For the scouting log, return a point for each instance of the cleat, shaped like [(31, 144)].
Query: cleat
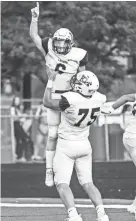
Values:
[(76, 218), (103, 218), (132, 209), (49, 181)]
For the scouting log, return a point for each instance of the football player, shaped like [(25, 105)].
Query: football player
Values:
[(65, 60), (129, 136), (79, 109)]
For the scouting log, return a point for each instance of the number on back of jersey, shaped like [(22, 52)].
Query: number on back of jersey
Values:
[(84, 114)]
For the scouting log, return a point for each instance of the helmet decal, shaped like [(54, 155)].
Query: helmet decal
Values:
[(84, 79), (85, 82)]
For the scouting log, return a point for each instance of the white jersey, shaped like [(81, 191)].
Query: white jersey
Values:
[(131, 127), (65, 65), (80, 113)]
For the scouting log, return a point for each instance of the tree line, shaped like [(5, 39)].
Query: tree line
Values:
[(105, 29)]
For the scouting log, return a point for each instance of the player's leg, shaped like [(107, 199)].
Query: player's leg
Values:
[(83, 167), (63, 168), (53, 120), (130, 145)]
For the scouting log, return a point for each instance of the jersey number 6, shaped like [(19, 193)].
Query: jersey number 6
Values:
[(60, 67), (84, 112)]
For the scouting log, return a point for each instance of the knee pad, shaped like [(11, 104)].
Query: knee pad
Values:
[(53, 132)]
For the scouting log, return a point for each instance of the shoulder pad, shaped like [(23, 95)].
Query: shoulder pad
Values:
[(100, 97), (78, 53), (71, 96)]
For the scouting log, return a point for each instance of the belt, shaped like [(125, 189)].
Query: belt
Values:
[(60, 92)]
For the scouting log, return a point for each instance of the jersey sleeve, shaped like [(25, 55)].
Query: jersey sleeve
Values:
[(84, 61), (63, 103), (99, 97), (45, 44)]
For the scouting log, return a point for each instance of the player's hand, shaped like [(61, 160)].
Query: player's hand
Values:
[(35, 11), (107, 110)]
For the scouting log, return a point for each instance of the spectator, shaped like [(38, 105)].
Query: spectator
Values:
[(41, 135), (26, 123), (16, 113)]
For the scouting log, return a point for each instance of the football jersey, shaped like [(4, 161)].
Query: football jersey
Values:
[(131, 127), (65, 65), (78, 113)]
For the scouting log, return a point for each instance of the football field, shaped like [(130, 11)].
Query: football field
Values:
[(37, 209), (26, 198)]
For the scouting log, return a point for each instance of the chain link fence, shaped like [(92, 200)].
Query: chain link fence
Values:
[(105, 137)]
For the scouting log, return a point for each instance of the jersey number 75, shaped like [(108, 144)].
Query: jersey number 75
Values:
[(84, 112)]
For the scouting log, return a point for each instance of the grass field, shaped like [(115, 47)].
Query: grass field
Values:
[(52, 210), (114, 180), (26, 198)]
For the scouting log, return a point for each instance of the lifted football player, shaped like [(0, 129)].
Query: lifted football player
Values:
[(79, 109), (65, 60)]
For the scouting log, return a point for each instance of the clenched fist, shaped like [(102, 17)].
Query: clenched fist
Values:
[(35, 11)]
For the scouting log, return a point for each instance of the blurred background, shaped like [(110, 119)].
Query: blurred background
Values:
[(107, 30)]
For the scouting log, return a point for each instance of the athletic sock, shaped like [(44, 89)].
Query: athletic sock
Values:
[(49, 159), (72, 212)]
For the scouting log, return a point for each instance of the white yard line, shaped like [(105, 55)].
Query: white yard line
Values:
[(33, 205)]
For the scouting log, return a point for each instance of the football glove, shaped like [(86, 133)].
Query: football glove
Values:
[(107, 110)]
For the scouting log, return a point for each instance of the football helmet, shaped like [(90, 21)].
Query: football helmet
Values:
[(62, 41), (85, 83)]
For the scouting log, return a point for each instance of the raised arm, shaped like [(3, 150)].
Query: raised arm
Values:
[(34, 29), (48, 101), (119, 102)]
